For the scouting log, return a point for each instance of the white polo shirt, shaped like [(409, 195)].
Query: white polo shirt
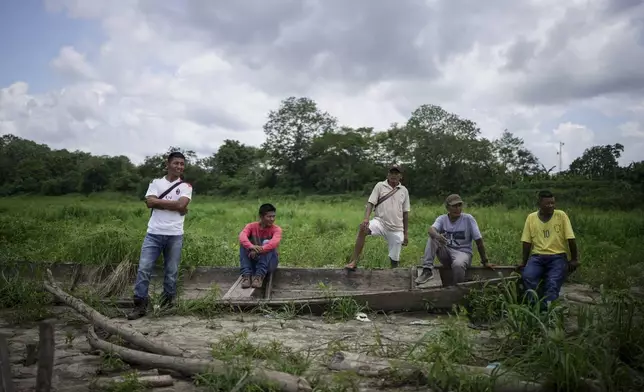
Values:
[(164, 222)]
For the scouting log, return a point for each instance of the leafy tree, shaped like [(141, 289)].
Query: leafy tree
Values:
[(516, 161), (95, 176), (598, 162), (341, 161), (232, 157), (307, 152), (290, 131)]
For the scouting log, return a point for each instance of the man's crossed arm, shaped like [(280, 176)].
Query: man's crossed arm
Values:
[(180, 205)]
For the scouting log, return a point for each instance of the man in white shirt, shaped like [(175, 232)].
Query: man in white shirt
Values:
[(390, 199), (168, 198)]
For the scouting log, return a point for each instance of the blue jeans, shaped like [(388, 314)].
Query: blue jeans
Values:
[(260, 266), (153, 246), (552, 269)]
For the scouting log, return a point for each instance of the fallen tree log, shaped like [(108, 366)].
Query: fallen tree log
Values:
[(128, 334), (192, 366), (395, 369), (145, 381)]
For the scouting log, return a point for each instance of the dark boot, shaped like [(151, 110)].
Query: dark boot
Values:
[(245, 282), (167, 301), (394, 263), (258, 280), (140, 309)]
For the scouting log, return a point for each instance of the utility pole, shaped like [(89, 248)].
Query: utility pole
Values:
[(561, 144)]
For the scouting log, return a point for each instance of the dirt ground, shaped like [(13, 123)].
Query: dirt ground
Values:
[(76, 363)]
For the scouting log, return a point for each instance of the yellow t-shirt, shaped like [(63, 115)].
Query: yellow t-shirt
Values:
[(548, 238)]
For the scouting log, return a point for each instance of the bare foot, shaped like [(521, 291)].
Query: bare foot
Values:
[(351, 266)]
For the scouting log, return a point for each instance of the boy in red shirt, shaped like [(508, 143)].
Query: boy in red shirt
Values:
[(258, 248)]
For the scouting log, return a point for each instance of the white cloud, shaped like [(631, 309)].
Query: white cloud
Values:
[(575, 138), (193, 74), (70, 62), (632, 129)]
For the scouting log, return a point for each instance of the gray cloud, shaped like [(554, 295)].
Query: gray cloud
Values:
[(194, 73), (576, 62), (355, 42), (208, 115), (618, 7), (519, 54)]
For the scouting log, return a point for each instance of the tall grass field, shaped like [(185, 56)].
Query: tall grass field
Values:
[(569, 347), (317, 232)]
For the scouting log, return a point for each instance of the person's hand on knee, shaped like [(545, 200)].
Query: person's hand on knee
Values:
[(364, 226)]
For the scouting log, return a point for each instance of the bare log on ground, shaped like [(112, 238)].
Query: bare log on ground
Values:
[(145, 381), (128, 334), (6, 379), (192, 366), (368, 366), (46, 348)]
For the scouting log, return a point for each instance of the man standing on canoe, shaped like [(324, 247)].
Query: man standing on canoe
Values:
[(258, 248), (390, 199), (450, 238), (547, 237), (168, 198)]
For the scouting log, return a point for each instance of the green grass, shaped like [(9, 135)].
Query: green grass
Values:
[(317, 232), (568, 346), (562, 347)]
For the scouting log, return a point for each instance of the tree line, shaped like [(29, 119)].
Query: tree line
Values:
[(308, 152)]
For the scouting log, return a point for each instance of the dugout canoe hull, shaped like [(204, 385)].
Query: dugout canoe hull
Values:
[(385, 290), (435, 299)]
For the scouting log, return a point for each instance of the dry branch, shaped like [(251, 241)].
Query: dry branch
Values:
[(192, 366), (6, 379), (145, 381), (46, 348), (116, 281), (128, 334), (369, 366)]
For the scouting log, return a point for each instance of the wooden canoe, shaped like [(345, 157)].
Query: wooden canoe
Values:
[(378, 289)]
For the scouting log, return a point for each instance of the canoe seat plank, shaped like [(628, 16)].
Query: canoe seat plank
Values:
[(236, 291)]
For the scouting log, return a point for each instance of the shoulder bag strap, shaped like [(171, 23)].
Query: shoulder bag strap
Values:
[(385, 197), (165, 193)]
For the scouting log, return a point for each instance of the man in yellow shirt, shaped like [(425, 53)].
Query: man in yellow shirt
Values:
[(548, 239)]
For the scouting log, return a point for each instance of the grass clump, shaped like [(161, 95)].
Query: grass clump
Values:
[(100, 229), (242, 356), (567, 347), (24, 300), (451, 343), (273, 353), (129, 383), (237, 379), (340, 308), (110, 363), (342, 381)]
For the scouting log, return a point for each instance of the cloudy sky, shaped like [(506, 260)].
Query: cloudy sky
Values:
[(133, 77)]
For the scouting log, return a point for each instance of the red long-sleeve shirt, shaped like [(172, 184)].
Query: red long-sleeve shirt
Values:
[(254, 234)]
